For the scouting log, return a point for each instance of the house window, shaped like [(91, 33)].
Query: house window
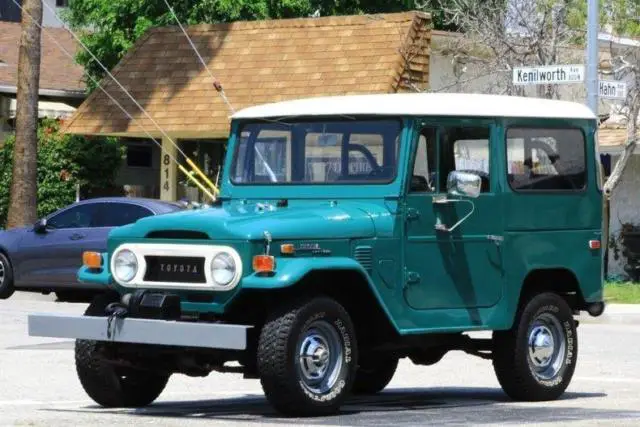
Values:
[(139, 156)]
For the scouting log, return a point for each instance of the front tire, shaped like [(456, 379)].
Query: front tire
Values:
[(307, 357), (535, 359), (6, 277), (108, 385)]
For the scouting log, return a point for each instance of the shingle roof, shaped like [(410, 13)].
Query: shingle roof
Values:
[(256, 62), (57, 71)]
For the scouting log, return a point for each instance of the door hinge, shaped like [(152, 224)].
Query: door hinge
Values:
[(411, 278), (412, 213)]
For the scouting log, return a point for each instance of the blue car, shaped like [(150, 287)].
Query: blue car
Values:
[(46, 257)]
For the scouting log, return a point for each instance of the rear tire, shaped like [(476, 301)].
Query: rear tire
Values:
[(535, 359), (111, 386), (374, 375), (307, 357), (6, 277)]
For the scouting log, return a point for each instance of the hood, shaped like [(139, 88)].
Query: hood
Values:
[(249, 221)]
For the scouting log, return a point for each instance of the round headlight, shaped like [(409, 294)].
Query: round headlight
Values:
[(125, 266), (223, 269)]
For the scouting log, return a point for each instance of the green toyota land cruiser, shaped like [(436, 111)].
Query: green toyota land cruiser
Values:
[(351, 232)]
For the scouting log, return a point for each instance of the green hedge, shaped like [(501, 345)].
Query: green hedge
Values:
[(63, 162)]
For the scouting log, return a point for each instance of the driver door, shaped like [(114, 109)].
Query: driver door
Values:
[(459, 269), (55, 255)]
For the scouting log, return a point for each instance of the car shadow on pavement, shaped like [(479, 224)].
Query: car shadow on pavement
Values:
[(392, 407)]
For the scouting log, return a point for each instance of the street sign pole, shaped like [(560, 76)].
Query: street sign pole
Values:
[(592, 56)]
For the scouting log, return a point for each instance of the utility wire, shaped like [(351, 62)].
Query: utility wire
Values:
[(67, 53), (216, 82)]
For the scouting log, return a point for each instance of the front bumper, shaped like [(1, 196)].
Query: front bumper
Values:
[(140, 331)]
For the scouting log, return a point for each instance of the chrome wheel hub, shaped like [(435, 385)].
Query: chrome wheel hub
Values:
[(547, 347), (320, 357), (2, 274), (541, 346)]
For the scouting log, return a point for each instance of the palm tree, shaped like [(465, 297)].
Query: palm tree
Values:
[(23, 199)]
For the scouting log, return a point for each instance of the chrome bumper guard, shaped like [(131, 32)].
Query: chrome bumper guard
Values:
[(140, 331)]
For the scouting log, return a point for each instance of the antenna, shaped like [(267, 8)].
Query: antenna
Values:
[(66, 52), (187, 159)]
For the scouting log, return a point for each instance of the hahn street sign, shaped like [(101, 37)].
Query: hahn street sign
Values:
[(612, 89), (548, 74)]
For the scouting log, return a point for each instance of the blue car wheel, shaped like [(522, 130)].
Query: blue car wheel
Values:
[(6, 277)]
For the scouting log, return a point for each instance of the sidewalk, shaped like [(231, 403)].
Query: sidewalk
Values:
[(615, 314)]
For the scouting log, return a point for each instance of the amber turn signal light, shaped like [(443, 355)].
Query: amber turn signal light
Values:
[(92, 259), (264, 264), (287, 249)]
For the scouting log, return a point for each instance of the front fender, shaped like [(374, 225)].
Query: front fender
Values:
[(101, 276), (290, 271)]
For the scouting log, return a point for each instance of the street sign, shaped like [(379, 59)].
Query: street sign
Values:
[(612, 89), (548, 74)]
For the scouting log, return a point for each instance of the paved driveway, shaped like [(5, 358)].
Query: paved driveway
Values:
[(39, 387)]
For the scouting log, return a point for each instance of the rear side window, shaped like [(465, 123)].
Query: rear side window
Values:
[(540, 159)]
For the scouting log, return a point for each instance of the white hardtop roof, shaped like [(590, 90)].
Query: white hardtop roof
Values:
[(421, 104)]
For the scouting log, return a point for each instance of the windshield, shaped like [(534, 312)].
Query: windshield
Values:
[(318, 152)]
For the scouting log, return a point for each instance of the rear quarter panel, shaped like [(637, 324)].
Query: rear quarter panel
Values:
[(552, 229)]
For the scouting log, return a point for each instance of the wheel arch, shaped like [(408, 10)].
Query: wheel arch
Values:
[(349, 285), (560, 280), (5, 252)]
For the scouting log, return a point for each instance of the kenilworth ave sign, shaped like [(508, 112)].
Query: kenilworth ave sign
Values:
[(548, 74)]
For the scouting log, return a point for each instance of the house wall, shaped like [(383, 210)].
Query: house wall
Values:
[(625, 204), (48, 18)]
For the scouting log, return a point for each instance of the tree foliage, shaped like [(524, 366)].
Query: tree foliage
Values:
[(63, 162)]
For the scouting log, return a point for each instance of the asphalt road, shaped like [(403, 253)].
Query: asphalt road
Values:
[(39, 387)]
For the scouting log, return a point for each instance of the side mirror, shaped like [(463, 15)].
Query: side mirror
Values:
[(40, 226), (464, 184)]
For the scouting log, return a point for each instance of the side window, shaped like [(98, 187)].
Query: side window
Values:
[(465, 149), (119, 214), (76, 217), (546, 159), (424, 174)]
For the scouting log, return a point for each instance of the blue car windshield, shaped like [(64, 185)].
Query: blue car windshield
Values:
[(317, 152)]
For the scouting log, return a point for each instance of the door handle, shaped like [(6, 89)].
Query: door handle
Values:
[(76, 236)]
